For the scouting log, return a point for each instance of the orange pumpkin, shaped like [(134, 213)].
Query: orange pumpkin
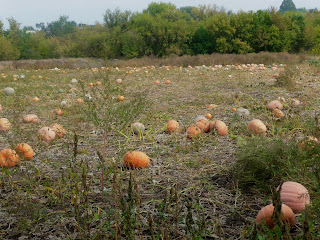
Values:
[(8, 158), (24, 150), (275, 104), (208, 115), (46, 134), (167, 82), (193, 132), (119, 80), (58, 129), (277, 113), (295, 195), (36, 99), (256, 126), (80, 101), (90, 84), (120, 98), (172, 126), (98, 83), (157, 82), (210, 106), (220, 127), (265, 214), (4, 124), (58, 111), (31, 118), (136, 159), (203, 124)]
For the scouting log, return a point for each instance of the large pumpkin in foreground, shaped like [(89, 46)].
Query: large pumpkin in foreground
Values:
[(265, 214), (8, 158), (136, 159), (295, 195)]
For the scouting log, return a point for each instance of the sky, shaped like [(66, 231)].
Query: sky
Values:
[(30, 12)]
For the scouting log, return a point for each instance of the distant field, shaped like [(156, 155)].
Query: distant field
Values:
[(77, 187)]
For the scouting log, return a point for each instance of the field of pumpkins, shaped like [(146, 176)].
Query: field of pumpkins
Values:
[(160, 152)]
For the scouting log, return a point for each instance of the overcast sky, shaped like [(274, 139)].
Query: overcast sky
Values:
[(30, 12)]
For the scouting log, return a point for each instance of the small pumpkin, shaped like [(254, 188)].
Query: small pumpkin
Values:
[(167, 82), (0, 107), (138, 128), (120, 98), (58, 129), (8, 91), (136, 159), (31, 118), (90, 84), (308, 143), (46, 134), (172, 126), (275, 104), (256, 126), (5, 125), (203, 124), (119, 80), (8, 158), (220, 127), (294, 195), (157, 82), (58, 111), (211, 106), (277, 113), (265, 214), (35, 99), (80, 101), (98, 83), (193, 132), (24, 150), (209, 115)]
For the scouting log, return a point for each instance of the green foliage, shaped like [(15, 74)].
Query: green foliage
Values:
[(287, 5), (7, 50)]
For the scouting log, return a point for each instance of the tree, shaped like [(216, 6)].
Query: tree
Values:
[(287, 5)]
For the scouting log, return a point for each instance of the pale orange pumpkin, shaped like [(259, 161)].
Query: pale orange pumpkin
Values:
[(35, 99), (210, 106), (90, 84), (193, 132), (220, 127), (5, 125), (119, 80), (0, 107), (256, 126), (275, 104), (209, 115), (24, 150), (31, 118), (172, 126), (203, 124), (46, 134), (265, 214), (157, 82), (98, 83), (58, 129), (80, 101), (136, 159), (8, 158), (167, 82), (277, 113), (58, 111), (294, 195)]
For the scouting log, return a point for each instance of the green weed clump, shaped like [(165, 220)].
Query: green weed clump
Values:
[(287, 78)]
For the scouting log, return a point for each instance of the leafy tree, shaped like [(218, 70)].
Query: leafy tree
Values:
[(7, 50), (287, 5), (116, 18), (61, 27)]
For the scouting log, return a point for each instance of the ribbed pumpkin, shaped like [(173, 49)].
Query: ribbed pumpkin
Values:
[(220, 127), (256, 126), (24, 150), (31, 118), (136, 159), (265, 214), (193, 132), (275, 104), (46, 134), (8, 158), (58, 129), (172, 126), (4, 124), (295, 195), (203, 124), (277, 113)]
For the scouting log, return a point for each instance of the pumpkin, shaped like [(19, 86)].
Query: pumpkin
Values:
[(98, 83), (275, 104), (74, 81), (24, 150), (31, 118), (256, 126), (167, 82), (4, 124), (120, 98), (8, 91), (138, 128), (208, 115), (35, 99), (157, 82), (277, 113), (233, 109), (90, 84), (203, 124), (193, 132), (0, 107), (265, 214), (80, 101), (210, 106), (58, 111), (119, 80), (220, 127), (8, 158), (294, 195), (172, 126), (46, 134), (136, 159), (308, 143), (58, 129)]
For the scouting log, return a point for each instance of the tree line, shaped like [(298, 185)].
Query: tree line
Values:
[(161, 30)]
